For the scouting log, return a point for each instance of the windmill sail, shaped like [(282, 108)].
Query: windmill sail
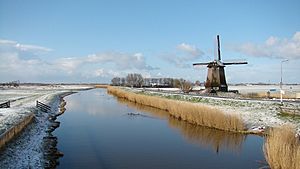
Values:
[(235, 63), (195, 64), (219, 52)]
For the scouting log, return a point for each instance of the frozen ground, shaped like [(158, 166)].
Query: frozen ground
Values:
[(255, 113), (244, 89), (27, 151), (265, 88)]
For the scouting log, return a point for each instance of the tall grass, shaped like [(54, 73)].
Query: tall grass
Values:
[(101, 86), (257, 95), (193, 113), (282, 148)]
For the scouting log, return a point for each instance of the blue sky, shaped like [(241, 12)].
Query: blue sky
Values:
[(93, 41)]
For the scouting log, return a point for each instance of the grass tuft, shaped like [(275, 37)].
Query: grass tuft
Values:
[(282, 148)]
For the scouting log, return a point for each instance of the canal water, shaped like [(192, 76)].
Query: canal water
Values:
[(99, 130)]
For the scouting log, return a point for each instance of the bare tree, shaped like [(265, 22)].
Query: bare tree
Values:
[(134, 80), (186, 86), (130, 80), (139, 80), (123, 81), (176, 83), (116, 81), (197, 83)]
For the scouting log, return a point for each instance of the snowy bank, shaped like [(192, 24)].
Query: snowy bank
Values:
[(256, 114), (27, 151)]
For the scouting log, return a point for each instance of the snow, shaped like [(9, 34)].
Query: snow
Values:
[(27, 150), (255, 113), (265, 88)]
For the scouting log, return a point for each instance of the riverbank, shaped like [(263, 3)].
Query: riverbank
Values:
[(197, 113), (255, 114), (27, 149), (280, 140)]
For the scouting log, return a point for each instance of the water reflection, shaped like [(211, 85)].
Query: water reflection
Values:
[(92, 106), (216, 140), (206, 137), (141, 108)]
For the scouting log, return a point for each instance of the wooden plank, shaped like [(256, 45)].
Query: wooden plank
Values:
[(288, 110), (5, 105), (43, 106)]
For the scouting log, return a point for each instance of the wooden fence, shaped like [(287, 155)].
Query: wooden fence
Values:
[(291, 111), (42, 106), (5, 105)]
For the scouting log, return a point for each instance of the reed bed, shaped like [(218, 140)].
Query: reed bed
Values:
[(101, 86), (282, 148), (191, 112), (258, 95)]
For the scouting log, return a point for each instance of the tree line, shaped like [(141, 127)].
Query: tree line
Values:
[(137, 80)]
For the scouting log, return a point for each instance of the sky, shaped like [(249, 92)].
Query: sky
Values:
[(64, 41)]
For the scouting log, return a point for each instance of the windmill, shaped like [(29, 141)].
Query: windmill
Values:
[(215, 74)]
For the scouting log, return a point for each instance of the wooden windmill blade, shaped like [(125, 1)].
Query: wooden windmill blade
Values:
[(235, 63), (218, 47), (200, 64)]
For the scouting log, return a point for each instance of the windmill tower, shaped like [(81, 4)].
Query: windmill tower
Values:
[(215, 74)]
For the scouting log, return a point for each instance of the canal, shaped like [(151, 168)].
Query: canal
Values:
[(101, 131)]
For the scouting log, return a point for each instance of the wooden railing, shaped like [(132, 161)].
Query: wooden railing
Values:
[(43, 106), (289, 110), (5, 105)]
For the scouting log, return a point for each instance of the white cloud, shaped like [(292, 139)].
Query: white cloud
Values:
[(105, 73), (20, 61), (184, 55), (121, 61), (23, 47), (273, 47), (190, 49), (12, 67), (7, 42)]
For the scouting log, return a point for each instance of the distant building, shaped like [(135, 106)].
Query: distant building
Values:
[(158, 82)]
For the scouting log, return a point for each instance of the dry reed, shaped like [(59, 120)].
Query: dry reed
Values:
[(101, 86), (193, 113), (282, 148), (257, 95)]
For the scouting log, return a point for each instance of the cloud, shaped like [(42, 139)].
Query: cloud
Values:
[(190, 49), (23, 62), (273, 47), (23, 47), (184, 55), (121, 61), (13, 67), (105, 73)]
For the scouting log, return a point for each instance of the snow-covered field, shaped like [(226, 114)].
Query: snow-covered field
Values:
[(244, 89), (28, 149), (265, 88), (23, 100)]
